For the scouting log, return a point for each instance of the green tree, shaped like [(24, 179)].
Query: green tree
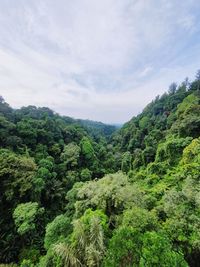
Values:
[(26, 215), (86, 175), (87, 245), (112, 194), (126, 162), (57, 230), (124, 248), (70, 155), (87, 149), (157, 251)]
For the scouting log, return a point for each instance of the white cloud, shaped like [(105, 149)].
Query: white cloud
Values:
[(102, 60), (145, 71)]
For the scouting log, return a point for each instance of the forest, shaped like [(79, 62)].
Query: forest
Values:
[(83, 193)]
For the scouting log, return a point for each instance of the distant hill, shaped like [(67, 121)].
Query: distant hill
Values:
[(97, 129)]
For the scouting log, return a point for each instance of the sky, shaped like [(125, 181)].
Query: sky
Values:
[(102, 60)]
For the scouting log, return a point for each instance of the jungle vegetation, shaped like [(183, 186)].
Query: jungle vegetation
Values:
[(82, 193)]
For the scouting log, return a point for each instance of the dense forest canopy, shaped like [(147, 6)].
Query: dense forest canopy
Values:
[(82, 193)]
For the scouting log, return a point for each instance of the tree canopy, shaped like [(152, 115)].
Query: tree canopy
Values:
[(82, 193)]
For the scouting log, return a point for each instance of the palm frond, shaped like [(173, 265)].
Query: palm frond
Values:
[(67, 254)]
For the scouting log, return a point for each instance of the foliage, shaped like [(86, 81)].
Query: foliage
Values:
[(157, 251), (87, 241), (73, 195), (25, 216), (57, 230), (111, 194)]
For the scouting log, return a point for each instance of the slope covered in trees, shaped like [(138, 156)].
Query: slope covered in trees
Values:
[(73, 196), (42, 155)]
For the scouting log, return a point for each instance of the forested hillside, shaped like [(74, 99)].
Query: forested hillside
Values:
[(73, 195)]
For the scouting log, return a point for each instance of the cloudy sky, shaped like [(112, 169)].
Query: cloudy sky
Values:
[(97, 59)]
